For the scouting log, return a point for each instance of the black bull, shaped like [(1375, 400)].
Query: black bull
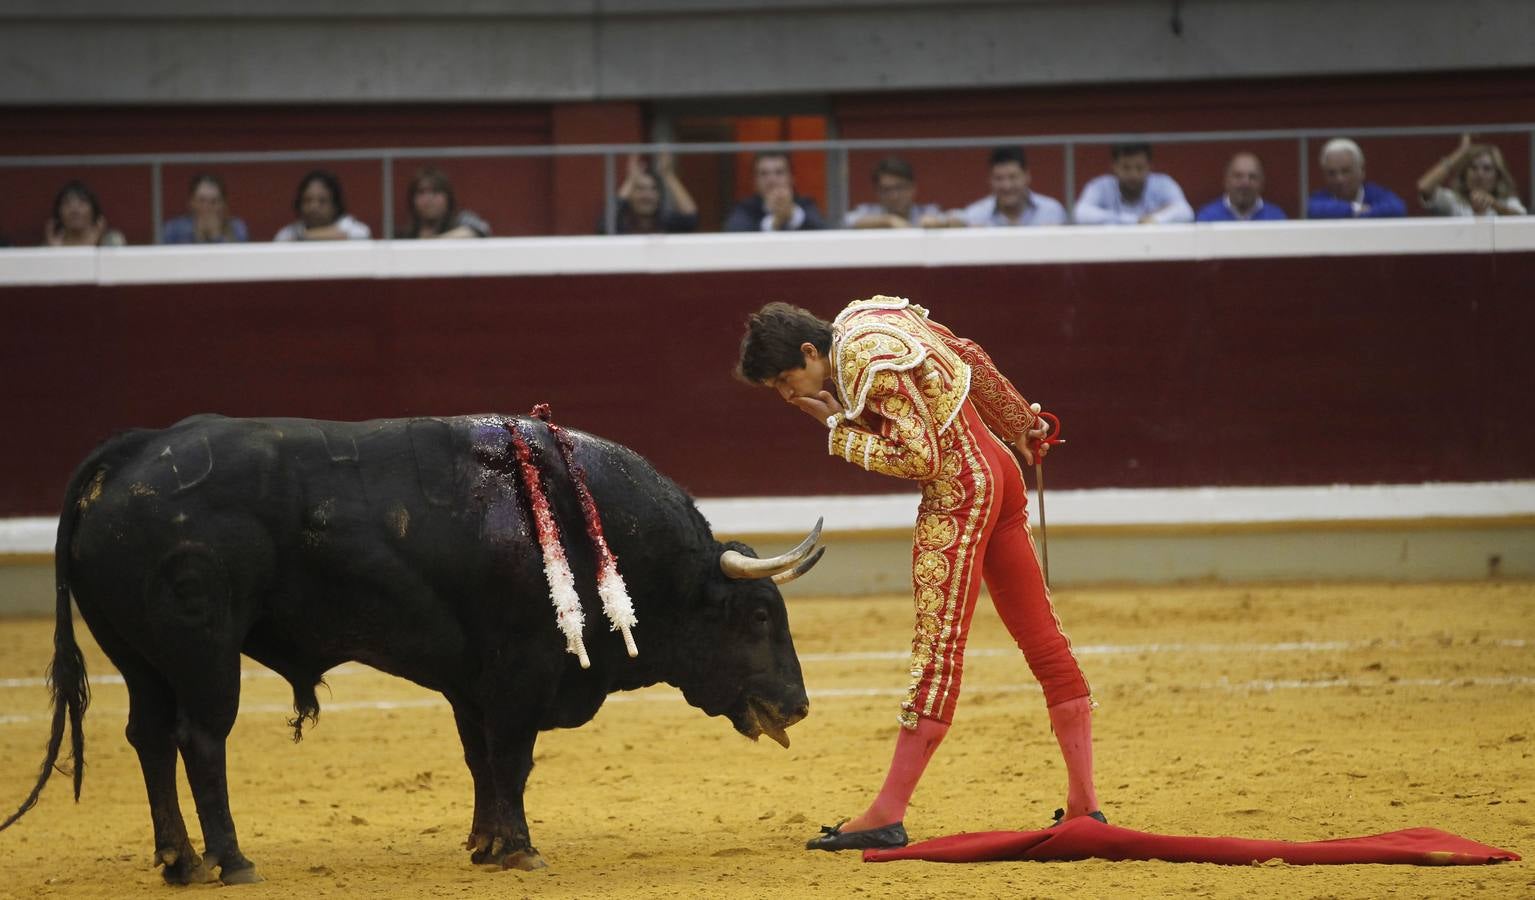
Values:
[(406, 545)]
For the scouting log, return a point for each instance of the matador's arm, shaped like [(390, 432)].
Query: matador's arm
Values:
[(1001, 406), (911, 448)]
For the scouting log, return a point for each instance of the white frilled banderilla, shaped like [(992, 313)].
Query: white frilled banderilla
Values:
[(562, 582), (610, 584)]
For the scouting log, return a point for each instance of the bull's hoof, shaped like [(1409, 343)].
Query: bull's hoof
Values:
[(245, 875), (494, 850), (236, 871), (525, 860), (184, 867)]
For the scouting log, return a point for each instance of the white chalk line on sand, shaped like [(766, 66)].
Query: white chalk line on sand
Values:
[(350, 669), (1262, 685)]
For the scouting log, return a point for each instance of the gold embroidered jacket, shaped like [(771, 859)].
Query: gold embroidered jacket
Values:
[(902, 379)]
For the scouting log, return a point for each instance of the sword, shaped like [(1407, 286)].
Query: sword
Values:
[(1054, 437)]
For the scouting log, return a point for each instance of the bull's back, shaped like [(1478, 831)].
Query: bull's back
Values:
[(296, 513)]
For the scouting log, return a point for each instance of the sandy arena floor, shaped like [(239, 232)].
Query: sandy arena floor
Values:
[(1297, 713)]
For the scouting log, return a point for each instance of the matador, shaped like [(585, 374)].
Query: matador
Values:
[(913, 400)]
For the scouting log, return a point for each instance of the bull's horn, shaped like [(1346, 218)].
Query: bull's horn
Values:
[(739, 565), (802, 568)]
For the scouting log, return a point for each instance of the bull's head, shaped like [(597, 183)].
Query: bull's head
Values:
[(747, 669)]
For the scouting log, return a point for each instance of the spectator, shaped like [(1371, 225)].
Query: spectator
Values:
[(1348, 195), (896, 187), (434, 211), (207, 220), (653, 200), (1479, 183), (1243, 200), (1132, 194), (322, 214), (775, 206), (1011, 202), (77, 220)]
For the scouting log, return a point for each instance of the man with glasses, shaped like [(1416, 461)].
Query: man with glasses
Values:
[(896, 187)]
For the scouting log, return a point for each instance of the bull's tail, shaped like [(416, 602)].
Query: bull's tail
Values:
[(66, 674)]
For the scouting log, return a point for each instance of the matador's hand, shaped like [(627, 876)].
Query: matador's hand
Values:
[(1032, 444), (820, 406)]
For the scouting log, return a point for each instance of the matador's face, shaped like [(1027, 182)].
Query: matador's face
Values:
[(802, 381)]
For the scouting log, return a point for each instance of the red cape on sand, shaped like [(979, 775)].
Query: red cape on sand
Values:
[(1086, 838)]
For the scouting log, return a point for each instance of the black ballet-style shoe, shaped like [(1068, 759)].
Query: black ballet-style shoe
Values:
[(832, 837), (1060, 815)]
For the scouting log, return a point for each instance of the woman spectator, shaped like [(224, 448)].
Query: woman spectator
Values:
[(207, 220), (1472, 181), (322, 214), (653, 202), (77, 220), (434, 211)]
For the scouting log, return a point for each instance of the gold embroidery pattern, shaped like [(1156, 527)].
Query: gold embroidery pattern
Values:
[(936, 532), (967, 490), (905, 446), (890, 362), (931, 567), (871, 337), (967, 566)]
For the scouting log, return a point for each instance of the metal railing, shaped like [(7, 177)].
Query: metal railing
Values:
[(836, 150)]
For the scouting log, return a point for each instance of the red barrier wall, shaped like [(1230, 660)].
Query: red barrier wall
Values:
[(1232, 372)]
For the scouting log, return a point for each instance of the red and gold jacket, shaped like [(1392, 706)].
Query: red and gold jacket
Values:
[(902, 380)]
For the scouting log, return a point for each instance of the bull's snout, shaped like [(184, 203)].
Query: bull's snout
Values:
[(797, 711)]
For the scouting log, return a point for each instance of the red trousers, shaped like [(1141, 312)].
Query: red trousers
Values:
[(972, 524)]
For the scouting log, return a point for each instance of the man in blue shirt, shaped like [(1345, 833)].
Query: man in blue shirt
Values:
[(1348, 195), (1243, 200), (1132, 194)]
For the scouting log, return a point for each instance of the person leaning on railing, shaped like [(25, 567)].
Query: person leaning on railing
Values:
[(895, 186), (1011, 201), (434, 210), (207, 220), (1132, 194), (322, 214), (1472, 181), (1243, 198), (1348, 195)]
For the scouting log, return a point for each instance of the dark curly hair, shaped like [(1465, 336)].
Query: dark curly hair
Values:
[(774, 334)]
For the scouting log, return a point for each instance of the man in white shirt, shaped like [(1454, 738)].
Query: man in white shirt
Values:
[(1011, 202), (1132, 194)]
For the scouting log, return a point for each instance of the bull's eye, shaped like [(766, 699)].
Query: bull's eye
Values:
[(760, 621)]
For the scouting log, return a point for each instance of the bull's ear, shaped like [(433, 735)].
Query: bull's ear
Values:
[(738, 565)]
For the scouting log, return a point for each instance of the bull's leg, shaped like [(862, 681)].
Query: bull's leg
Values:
[(471, 733), (207, 713), (509, 745), (151, 731)]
